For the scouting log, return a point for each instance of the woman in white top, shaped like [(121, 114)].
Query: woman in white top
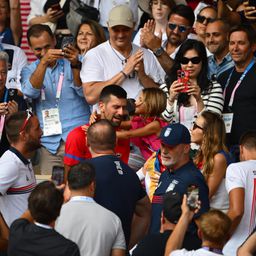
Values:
[(188, 98), (160, 10), (212, 158)]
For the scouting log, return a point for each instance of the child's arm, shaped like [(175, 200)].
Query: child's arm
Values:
[(126, 125), (151, 128)]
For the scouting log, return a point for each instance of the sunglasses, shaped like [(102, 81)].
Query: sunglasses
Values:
[(201, 19), (195, 126), (29, 115), (194, 60), (181, 28)]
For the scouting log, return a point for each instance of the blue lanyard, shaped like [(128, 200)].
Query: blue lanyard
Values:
[(82, 199), (238, 82), (6, 95)]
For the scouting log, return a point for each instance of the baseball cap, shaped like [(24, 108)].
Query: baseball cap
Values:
[(121, 15), (175, 134), (172, 206)]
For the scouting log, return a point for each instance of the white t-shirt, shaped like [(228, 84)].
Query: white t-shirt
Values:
[(18, 62), (17, 180), (92, 227), (242, 175), (199, 252), (103, 62)]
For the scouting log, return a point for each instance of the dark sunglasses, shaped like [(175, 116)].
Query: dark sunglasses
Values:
[(181, 28), (201, 19), (195, 126), (29, 115), (194, 60)]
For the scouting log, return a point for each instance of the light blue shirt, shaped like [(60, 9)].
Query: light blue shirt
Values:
[(73, 108), (216, 69)]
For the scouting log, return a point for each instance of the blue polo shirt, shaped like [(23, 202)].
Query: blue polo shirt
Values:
[(178, 181)]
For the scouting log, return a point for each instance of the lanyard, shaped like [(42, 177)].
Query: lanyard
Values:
[(82, 199), (43, 225), (215, 250), (238, 82), (60, 83)]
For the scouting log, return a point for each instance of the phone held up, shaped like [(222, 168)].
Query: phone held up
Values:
[(58, 175), (183, 77), (66, 41), (192, 197)]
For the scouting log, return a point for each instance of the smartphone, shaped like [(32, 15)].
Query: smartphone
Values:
[(183, 77), (12, 94), (56, 7), (67, 40), (58, 175), (192, 196)]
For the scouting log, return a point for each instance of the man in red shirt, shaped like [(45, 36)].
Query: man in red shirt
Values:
[(112, 105)]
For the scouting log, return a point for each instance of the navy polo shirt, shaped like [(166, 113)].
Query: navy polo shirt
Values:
[(178, 181)]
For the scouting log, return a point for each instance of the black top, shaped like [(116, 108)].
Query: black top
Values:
[(29, 239), (244, 105), (117, 188)]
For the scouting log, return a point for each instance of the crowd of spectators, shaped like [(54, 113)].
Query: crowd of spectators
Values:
[(143, 129)]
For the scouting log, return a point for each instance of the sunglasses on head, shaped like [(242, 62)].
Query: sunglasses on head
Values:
[(194, 60), (181, 28), (29, 115), (195, 126), (201, 19)]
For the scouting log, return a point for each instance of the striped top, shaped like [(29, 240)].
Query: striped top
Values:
[(212, 98), (25, 10)]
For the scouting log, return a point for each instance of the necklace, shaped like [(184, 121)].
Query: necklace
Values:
[(123, 60)]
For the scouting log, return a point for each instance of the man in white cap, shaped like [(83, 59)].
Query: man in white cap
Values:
[(118, 61)]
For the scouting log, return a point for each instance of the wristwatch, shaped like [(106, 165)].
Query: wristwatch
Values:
[(158, 52)]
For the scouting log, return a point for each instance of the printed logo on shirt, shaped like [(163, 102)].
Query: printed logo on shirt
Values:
[(172, 186), (119, 167)]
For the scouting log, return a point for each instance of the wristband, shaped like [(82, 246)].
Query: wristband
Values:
[(125, 76)]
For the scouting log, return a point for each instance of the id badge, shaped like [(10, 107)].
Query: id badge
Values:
[(51, 122), (228, 120)]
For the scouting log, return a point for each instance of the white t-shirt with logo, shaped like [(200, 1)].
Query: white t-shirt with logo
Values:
[(242, 175)]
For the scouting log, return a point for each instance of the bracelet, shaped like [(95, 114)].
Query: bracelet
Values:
[(125, 76)]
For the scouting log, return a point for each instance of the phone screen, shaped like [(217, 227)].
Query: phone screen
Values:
[(67, 40), (193, 196), (58, 175)]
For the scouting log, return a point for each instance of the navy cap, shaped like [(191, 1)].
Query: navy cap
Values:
[(175, 134)]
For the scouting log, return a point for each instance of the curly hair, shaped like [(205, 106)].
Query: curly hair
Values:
[(214, 140)]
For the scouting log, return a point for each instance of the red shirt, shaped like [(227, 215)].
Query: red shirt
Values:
[(76, 150)]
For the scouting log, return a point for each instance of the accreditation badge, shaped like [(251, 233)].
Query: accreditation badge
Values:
[(228, 120), (51, 122)]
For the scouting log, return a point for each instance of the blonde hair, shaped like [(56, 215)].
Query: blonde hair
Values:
[(215, 226), (214, 139), (155, 101)]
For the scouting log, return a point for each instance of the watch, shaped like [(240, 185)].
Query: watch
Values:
[(158, 52)]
